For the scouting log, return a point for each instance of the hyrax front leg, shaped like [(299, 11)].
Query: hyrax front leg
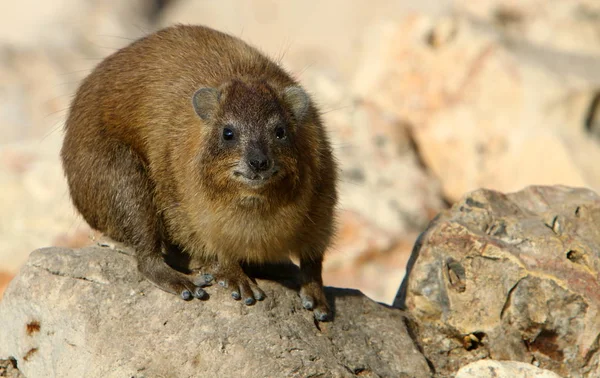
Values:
[(230, 275), (312, 293)]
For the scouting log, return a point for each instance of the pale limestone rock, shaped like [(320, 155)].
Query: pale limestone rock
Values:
[(478, 101), (570, 26), (9, 370), (503, 369), (309, 33), (35, 194), (88, 313)]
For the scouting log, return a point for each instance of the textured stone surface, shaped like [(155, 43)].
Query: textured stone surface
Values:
[(510, 277), (75, 313), (503, 369), (5, 278), (9, 370), (45, 50), (35, 194), (565, 25), (481, 96), (330, 41)]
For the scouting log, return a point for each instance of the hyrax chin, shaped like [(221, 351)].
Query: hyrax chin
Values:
[(191, 140)]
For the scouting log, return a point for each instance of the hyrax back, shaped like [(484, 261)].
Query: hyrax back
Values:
[(190, 139)]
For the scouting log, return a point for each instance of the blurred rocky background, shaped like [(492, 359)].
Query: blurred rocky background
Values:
[(424, 101)]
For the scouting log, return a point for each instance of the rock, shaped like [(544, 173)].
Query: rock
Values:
[(382, 178), (479, 101), (378, 213), (45, 49), (65, 22), (5, 278), (510, 277), (330, 41), (35, 193), (9, 369), (568, 26), (503, 369), (86, 312), (364, 252)]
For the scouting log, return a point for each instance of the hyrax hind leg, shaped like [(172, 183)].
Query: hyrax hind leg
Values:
[(111, 189)]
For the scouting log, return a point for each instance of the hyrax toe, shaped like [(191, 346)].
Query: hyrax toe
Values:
[(313, 298)]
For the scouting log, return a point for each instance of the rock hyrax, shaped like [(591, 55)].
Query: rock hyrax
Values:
[(191, 140)]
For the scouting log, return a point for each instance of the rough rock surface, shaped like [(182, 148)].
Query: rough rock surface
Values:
[(46, 48), (5, 278), (35, 194), (503, 369), (86, 312), (483, 94), (510, 277), (8, 369)]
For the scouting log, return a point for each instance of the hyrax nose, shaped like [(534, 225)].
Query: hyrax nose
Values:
[(259, 162)]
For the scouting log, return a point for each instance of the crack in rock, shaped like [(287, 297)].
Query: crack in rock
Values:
[(61, 274)]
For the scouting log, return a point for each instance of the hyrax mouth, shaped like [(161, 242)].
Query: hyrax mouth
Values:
[(253, 179)]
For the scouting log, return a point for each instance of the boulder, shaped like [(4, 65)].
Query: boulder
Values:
[(87, 312), (5, 278), (379, 213), (45, 50), (9, 369), (567, 25), (503, 369), (482, 96), (510, 277), (35, 194)]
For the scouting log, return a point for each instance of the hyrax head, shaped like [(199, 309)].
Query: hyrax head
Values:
[(252, 131)]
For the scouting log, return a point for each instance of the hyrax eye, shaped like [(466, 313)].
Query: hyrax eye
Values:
[(280, 132), (228, 133)]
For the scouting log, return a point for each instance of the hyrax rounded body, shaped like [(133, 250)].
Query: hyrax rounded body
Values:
[(191, 140)]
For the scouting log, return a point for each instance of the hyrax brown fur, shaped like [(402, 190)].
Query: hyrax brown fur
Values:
[(191, 139)]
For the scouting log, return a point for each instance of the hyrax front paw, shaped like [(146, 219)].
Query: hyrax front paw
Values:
[(241, 286), (313, 298), (175, 282), (190, 287), (199, 282)]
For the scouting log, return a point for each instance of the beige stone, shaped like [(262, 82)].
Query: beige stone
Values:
[(87, 313), (35, 194), (308, 33), (484, 109), (565, 25), (503, 369)]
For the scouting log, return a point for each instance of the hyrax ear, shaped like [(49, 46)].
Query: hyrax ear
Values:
[(205, 102), (298, 100)]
